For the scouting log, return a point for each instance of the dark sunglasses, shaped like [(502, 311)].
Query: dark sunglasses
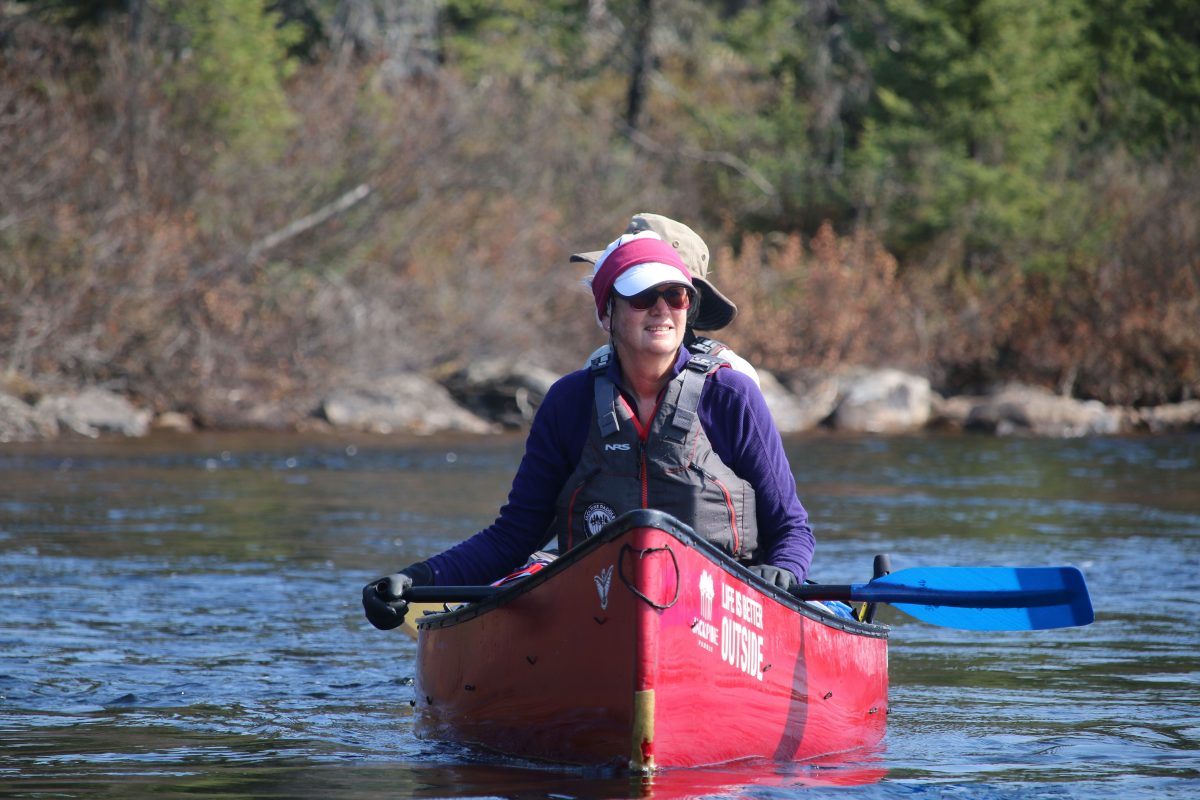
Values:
[(677, 297)]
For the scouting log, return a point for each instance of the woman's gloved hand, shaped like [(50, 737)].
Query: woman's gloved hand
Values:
[(383, 598), (776, 576)]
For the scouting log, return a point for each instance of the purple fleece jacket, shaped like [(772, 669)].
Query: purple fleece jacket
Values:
[(739, 425)]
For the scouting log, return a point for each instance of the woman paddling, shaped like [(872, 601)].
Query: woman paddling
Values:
[(649, 425)]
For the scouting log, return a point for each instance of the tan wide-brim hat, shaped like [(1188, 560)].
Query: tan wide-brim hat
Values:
[(716, 310)]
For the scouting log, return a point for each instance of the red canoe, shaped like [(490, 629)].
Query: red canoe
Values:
[(645, 647)]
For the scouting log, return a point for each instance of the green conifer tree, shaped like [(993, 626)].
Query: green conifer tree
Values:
[(232, 70)]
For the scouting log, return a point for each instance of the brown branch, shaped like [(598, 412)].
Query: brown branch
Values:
[(711, 156), (297, 227)]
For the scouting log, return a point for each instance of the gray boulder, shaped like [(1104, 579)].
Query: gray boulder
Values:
[(401, 404), (1173, 417), (1020, 409), (951, 413), (882, 401), (21, 422), (802, 404), (174, 421), (505, 392), (93, 412)]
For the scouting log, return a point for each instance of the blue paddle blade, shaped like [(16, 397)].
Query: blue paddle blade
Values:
[(986, 598)]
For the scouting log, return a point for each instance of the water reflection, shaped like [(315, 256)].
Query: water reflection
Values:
[(64, 759)]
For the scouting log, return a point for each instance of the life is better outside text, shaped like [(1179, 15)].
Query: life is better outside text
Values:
[(740, 634)]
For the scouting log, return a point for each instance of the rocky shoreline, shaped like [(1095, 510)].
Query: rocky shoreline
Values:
[(484, 399)]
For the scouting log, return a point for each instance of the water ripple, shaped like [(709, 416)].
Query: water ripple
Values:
[(183, 619)]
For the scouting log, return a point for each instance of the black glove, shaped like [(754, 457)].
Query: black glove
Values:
[(776, 576), (383, 599)]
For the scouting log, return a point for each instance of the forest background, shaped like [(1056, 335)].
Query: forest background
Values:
[(207, 203)]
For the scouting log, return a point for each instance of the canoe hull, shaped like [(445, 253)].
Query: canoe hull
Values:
[(645, 648)]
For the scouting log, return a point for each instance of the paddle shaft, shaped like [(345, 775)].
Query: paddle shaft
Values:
[(451, 594), (472, 594), (856, 592)]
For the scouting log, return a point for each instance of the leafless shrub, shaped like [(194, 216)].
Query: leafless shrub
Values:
[(835, 301)]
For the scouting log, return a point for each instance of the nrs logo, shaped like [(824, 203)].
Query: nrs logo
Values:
[(620, 446)]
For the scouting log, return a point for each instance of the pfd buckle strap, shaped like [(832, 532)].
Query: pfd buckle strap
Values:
[(702, 363), (684, 418), (703, 345), (606, 406)]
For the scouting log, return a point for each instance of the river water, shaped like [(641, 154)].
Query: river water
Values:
[(180, 616)]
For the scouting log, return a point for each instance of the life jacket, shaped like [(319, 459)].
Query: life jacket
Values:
[(670, 467)]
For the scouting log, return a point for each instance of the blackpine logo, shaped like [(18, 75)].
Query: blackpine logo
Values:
[(597, 515)]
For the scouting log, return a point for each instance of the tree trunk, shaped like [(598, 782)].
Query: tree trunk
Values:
[(401, 33), (643, 61)]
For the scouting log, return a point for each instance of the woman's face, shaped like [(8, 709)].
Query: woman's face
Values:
[(654, 331)]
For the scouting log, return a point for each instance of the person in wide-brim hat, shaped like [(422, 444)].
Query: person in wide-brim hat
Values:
[(716, 310), (713, 309)]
